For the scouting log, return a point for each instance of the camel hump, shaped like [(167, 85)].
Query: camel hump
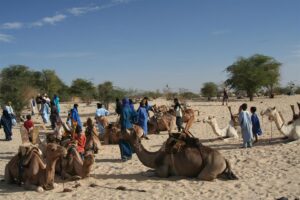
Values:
[(26, 152), (177, 142)]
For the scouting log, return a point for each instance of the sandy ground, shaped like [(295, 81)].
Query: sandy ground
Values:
[(269, 170)]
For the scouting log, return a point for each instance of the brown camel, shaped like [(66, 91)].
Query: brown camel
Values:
[(92, 138), (191, 160), (34, 173), (161, 122), (188, 116), (72, 166)]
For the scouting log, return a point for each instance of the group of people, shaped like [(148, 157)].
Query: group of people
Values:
[(250, 125)]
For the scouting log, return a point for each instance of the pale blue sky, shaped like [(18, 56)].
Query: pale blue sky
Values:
[(147, 44)]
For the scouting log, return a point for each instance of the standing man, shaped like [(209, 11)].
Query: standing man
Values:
[(246, 126), (100, 118), (126, 119), (225, 97), (56, 102), (178, 113), (142, 119), (75, 118), (6, 123)]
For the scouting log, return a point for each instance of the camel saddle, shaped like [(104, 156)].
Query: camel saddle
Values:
[(177, 142)]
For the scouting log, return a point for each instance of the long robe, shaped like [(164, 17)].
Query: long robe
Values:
[(143, 119), (75, 117), (246, 126), (255, 125), (6, 123), (45, 112), (56, 102)]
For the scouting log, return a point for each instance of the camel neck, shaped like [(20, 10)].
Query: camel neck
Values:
[(216, 128), (283, 128), (50, 172), (146, 157)]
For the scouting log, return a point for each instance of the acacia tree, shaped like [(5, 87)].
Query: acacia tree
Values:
[(251, 74), (83, 88), (107, 93), (209, 90)]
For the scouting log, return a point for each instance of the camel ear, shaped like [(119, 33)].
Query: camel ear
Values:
[(274, 107)]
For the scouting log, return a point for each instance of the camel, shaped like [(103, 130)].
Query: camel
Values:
[(161, 122), (292, 131), (92, 138), (34, 173), (188, 116), (229, 131), (112, 133), (234, 117), (72, 166), (295, 116), (194, 160)]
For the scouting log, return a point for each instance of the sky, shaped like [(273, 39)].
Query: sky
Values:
[(148, 44)]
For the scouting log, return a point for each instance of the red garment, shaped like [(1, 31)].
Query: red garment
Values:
[(81, 140), (28, 124)]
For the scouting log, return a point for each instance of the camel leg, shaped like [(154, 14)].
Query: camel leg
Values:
[(29, 186), (8, 177), (207, 174), (214, 166), (163, 171), (189, 124)]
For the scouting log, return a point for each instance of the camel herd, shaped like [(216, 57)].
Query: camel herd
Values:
[(35, 165)]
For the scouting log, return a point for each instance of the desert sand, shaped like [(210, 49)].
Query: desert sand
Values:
[(269, 170)]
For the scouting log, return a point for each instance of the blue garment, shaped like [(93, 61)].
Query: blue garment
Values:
[(75, 117), (246, 126), (57, 104), (125, 149), (7, 124), (101, 112), (142, 117), (127, 115), (45, 112), (131, 106), (255, 125)]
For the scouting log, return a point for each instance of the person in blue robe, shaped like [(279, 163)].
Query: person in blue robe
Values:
[(56, 102), (142, 118), (246, 126), (6, 123), (126, 120), (256, 130), (45, 111), (74, 115)]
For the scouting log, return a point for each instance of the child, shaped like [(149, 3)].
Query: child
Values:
[(255, 124), (80, 138), (246, 126), (28, 124)]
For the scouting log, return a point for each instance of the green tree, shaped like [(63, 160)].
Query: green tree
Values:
[(16, 87), (209, 90), (83, 88), (253, 73), (107, 93)]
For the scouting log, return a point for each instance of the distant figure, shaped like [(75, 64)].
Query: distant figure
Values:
[(142, 119), (147, 104), (74, 116), (32, 105), (118, 106), (54, 115), (126, 119), (6, 123), (178, 112), (225, 97), (38, 101), (56, 102), (80, 139), (256, 130), (28, 124), (100, 114), (10, 111), (45, 111), (246, 126)]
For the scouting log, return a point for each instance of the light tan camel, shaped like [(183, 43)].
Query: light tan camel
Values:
[(72, 166), (229, 131), (35, 174), (193, 160), (161, 122), (292, 131)]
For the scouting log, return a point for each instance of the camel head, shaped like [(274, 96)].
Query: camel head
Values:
[(89, 160), (269, 112), (131, 136), (210, 120), (55, 151)]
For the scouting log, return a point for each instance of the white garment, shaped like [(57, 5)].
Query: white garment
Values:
[(178, 112)]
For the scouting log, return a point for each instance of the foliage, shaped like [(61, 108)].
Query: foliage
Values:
[(83, 88), (209, 90), (253, 73)]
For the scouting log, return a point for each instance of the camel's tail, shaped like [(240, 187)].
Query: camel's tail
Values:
[(228, 173)]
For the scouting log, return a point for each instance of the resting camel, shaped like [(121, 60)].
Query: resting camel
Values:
[(295, 116), (112, 133), (72, 165), (35, 174), (229, 131), (192, 160), (161, 122), (92, 138), (292, 131), (188, 116)]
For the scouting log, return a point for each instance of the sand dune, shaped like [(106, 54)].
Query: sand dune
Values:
[(269, 170)]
